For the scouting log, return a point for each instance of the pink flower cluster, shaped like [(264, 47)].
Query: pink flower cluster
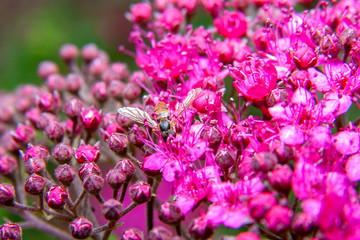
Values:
[(256, 134)]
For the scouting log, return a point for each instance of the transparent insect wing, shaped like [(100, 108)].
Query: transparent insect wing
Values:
[(137, 115), (187, 101)]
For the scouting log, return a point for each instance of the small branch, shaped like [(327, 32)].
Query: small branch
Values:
[(78, 200), (99, 198), (123, 190), (268, 234)]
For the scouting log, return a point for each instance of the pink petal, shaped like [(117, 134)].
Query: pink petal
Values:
[(346, 142), (154, 162), (352, 167), (291, 135)]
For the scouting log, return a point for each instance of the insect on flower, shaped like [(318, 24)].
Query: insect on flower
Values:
[(162, 123)]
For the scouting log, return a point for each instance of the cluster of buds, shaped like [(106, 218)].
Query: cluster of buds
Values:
[(242, 124)]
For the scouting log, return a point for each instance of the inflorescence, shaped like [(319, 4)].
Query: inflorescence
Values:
[(73, 167)]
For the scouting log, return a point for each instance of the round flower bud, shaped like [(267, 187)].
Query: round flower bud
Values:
[(170, 213), (138, 76), (131, 91), (124, 121), (118, 143), (37, 152), (56, 197), (260, 203), (68, 52), (200, 228), (115, 178), (90, 118), (140, 192), (73, 82), (7, 194), (280, 179), (132, 234), (278, 219), (225, 157), (93, 183), (10, 231), (133, 136), (126, 167), (231, 24), (213, 136), (46, 68), (160, 232), (23, 134), (34, 165), (305, 58), (55, 82), (115, 89), (48, 102), (34, 184), (62, 153), (87, 169), (99, 91), (303, 224), (32, 116), (89, 52), (81, 228), (44, 120), (73, 108), (283, 152), (65, 174), (141, 13), (98, 65), (264, 162), (262, 39), (205, 101), (7, 165), (170, 19), (237, 136), (112, 209), (87, 153), (55, 131), (247, 236)]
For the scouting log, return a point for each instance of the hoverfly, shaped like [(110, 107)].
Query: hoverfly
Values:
[(162, 123)]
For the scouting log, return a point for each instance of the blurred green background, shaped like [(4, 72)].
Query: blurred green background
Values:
[(33, 31)]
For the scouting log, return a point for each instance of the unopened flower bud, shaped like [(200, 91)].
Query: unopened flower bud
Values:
[(205, 101), (225, 157), (160, 233), (55, 82), (23, 134), (34, 184), (112, 209), (48, 102), (7, 165), (283, 152), (89, 52), (88, 169), (170, 19), (68, 52), (126, 167), (238, 137), (44, 120), (231, 24), (213, 136), (81, 228), (170, 213), (10, 231), (98, 65), (264, 162), (115, 89), (278, 219), (73, 82), (55, 131), (93, 183), (62, 153), (247, 236), (201, 228), (260, 203), (305, 58), (99, 91), (131, 91), (87, 153), (115, 178), (262, 39), (73, 108), (65, 174), (138, 76), (37, 152), (34, 165), (303, 224), (90, 118), (46, 68), (140, 192), (124, 121), (132, 234), (134, 137), (56, 197), (7, 194), (118, 142), (280, 179), (141, 13), (32, 116)]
